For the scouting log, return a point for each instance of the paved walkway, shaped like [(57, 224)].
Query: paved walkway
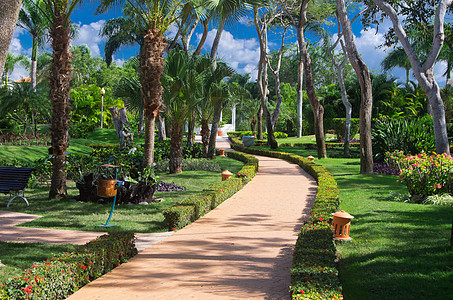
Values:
[(241, 250)]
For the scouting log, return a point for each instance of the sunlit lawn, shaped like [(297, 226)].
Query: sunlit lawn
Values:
[(399, 250)]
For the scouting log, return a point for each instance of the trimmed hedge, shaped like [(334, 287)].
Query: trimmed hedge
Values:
[(314, 274), (64, 274), (198, 205)]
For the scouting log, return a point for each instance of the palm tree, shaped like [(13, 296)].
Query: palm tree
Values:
[(58, 13), (219, 93), (129, 88), (122, 31), (397, 58), (181, 82), (32, 19), (11, 61), (155, 17), (24, 104), (228, 11), (8, 16)]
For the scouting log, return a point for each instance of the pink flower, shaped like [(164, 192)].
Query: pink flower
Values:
[(439, 186)]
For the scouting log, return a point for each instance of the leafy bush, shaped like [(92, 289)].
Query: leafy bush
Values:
[(80, 130), (62, 275), (314, 274), (439, 199), (197, 205), (277, 134), (191, 165), (423, 175), (411, 137), (339, 125)]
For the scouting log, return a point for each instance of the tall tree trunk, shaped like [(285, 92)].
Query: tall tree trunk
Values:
[(175, 164), (190, 129), (318, 109), (8, 19), (300, 97), (186, 40), (205, 133), (216, 42), (148, 153), (117, 122), (161, 128), (214, 128), (141, 119), (366, 104), (259, 123), (151, 67), (59, 95), (425, 72), (344, 95), (205, 24), (34, 62)]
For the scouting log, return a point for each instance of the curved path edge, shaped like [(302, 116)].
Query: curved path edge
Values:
[(241, 250)]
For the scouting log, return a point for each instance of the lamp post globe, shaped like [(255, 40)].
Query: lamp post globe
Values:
[(102, 106)]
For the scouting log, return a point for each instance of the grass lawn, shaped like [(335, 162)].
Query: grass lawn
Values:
[(399, 250), (17, 257), (67, 214)]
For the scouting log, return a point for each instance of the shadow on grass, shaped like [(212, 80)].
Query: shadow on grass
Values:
[(399, 254)]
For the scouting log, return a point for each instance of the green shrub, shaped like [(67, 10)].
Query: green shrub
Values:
[(197, 205), (422, 174), (339, 125), (62, 275), (411, 137), (314, 274), (191, 165)]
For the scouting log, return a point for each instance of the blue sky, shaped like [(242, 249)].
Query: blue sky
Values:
[(239, 45)]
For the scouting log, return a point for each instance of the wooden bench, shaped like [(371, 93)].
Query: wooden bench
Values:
[(13, 181)]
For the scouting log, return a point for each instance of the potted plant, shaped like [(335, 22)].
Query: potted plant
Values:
[(219, 131)]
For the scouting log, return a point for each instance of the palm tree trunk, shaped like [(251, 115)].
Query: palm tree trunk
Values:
[(151, 67), (8, 16), (205, 24), (59, 95), (259, 123), (190, 129), (215, 44), (34, 58), (205, 132), (176, 149)]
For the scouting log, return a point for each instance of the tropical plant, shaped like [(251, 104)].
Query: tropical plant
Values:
[(24, 105), (152, 18), (411, 137), (11, 61), (32, 19), (182, 92), (58, 13)]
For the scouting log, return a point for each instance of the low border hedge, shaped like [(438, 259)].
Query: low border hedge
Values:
[(197, 205), (314, 274), (64, 274)]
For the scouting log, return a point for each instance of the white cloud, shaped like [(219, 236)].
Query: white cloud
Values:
[(19, 73), (367, 44), (171, 31), (16, 47), (89, 35), (241, 54), (119, 62)]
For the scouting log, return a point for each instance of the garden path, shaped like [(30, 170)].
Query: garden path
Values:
[(240, 250)]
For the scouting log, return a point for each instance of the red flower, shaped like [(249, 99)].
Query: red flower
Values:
[(301, 292), (174, 228), (28, 289), (321, 219)]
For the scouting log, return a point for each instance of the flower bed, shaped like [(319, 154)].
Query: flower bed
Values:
[(314, 274), (62, 275), (197, 205)]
